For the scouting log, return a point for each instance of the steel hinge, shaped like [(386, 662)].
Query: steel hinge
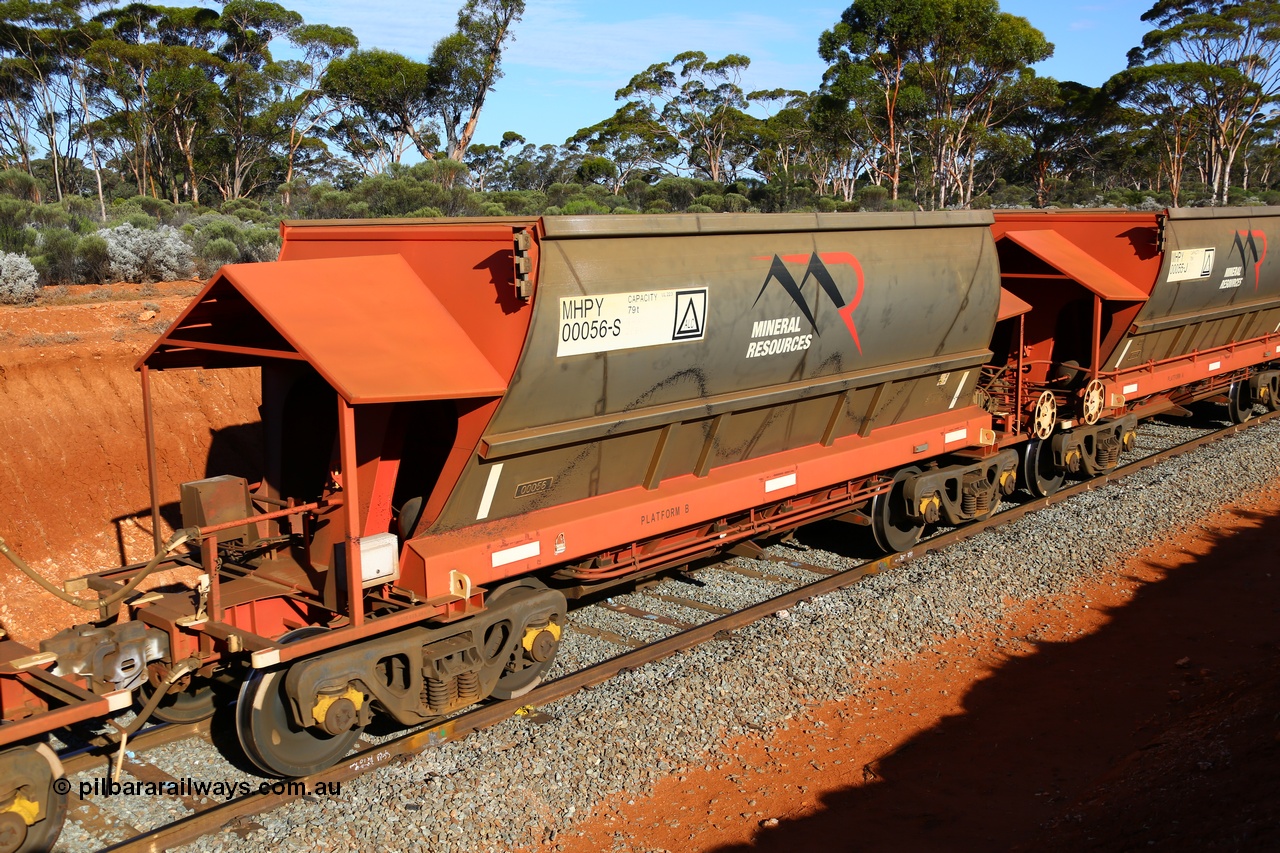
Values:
[(524, 264)]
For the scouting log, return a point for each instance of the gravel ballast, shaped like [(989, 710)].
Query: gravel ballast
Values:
[(523, 783)]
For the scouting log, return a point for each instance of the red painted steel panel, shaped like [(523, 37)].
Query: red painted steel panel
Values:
[(395, 342), (1060, 253), (1011, 306)]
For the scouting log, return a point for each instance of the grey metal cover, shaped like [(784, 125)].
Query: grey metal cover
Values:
[(1219, 282)]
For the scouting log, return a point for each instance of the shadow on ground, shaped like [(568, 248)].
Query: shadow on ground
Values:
[(1159, 731)]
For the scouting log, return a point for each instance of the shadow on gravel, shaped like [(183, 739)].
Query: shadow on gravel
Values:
[(1063, 749)]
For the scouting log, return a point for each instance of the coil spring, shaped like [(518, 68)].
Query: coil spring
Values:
[(1108, 453), (441, 693), (469, 686), (975, 501)]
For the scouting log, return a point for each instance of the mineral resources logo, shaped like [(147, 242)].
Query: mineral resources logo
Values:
[(770, 337), (1246, 247)]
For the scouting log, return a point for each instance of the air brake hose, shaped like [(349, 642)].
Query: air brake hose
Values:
[(179, 671), (97, 604)]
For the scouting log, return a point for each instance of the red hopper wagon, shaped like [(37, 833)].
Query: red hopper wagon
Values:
[(469, 422)]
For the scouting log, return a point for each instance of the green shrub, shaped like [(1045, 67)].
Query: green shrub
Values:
[(16, 236), (715, 202), (158, 208), (583, 207), (873, 198), (94, 258), (698, 208), (217, 252), (57, 260), (20, 185)]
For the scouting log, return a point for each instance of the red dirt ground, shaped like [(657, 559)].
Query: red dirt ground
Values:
[(1143, 711), (73, 477)]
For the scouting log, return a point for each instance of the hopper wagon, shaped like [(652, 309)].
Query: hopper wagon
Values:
[(468, 423), (1121, 316)]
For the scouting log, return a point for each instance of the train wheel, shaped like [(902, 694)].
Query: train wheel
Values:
[(268, 733), (892, 528), (1273, 394), (533, 656), (191, 705), (1239, 403), (17, 837), (1039, 475)]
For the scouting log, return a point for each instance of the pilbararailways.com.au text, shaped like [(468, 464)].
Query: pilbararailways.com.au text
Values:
[(220, 789)]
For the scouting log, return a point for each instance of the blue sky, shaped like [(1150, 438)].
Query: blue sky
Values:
[(570, 56)]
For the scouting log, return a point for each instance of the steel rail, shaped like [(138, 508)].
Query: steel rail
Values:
[(200, 823)]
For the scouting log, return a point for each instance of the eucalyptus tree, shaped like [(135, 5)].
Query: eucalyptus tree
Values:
[(37, 43), (1058, 121), (869, 52), (973, 66), (300, 105), (153, 74), (1225, 59), (781, 141), (385, 101), (697, 101), (466, 64), (631, 139), (249, 78), (1164, 106), (839, 152), (16, 99)]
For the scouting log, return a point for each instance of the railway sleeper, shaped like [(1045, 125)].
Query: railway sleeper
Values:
[(960, 493)]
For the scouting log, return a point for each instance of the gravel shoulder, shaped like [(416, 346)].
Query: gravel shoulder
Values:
[(1135, 710)]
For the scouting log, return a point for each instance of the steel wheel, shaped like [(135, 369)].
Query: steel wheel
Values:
[(1045, 416), (1273, 394), (892, 528), (1091, 403), (17, 837), (1039, 475), (524, 668), (1239, 403), (270, 737)]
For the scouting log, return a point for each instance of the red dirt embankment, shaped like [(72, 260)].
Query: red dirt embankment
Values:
[(73, 474)]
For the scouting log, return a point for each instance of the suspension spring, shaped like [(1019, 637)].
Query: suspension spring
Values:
[(469, 686), (983, 502), (441, 692)]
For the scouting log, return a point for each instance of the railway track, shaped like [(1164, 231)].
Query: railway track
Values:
[(203, 814)]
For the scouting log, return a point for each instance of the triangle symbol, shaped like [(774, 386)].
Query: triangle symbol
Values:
[(689, 322)]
